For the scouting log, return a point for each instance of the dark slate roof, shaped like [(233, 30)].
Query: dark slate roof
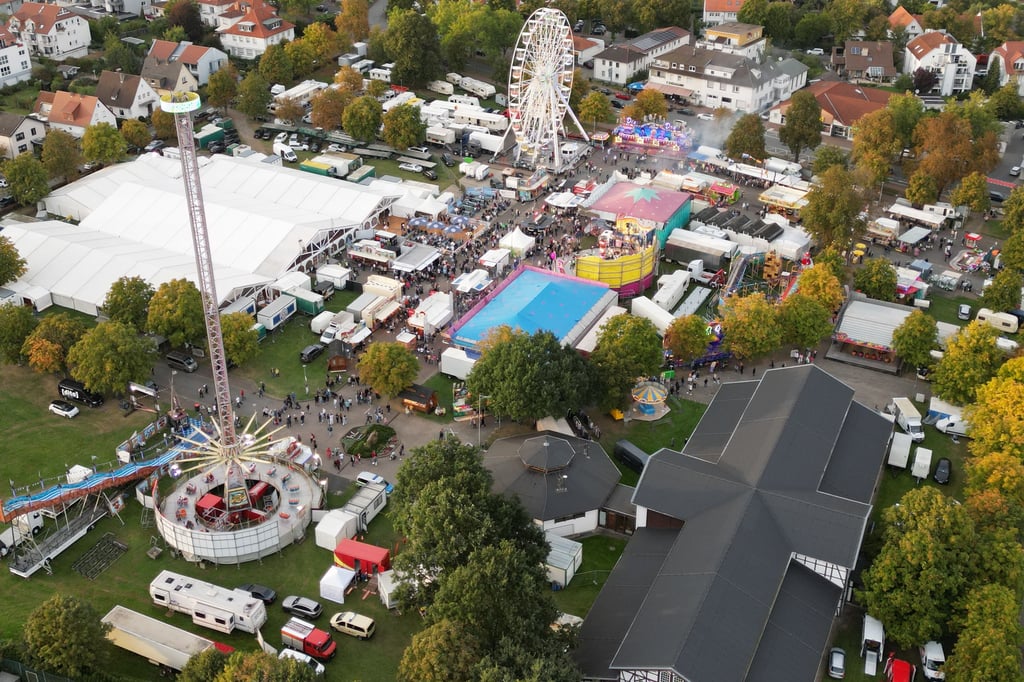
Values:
[(779, 467), (590, 475), (621, 500)]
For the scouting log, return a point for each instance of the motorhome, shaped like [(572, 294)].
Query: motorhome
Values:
[(908, 418), (217, 608)]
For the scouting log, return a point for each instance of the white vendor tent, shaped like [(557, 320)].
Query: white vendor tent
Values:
[(496, 259), (335, 526), (475, 282), (334, 583), (518, 242), (563, 560)]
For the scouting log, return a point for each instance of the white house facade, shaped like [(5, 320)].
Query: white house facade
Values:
[(126, 95), (249, 27), (18, 133), (941, 54), (15, 62), (50, 31), (621, 63)]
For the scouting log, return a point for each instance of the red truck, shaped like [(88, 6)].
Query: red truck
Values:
[(307, 638)]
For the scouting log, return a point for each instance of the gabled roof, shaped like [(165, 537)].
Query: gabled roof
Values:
[(860, 55), (723, 5), (7, 38), (778, 471), (44, 17), (580, 43), (72, 109), (118, 89), (184, 52), (844, 103), (216, 3), (43, 103), (9, 123), (1011, 51), (901, 17), (928, 42), (260, 16), (532, 468), (161, 74)]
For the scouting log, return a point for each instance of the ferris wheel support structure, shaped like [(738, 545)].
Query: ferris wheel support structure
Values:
[(539, 84)]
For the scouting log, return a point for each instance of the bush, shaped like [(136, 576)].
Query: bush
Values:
[(370, 438)]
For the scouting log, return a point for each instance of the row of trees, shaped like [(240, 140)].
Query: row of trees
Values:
[(106, 357)]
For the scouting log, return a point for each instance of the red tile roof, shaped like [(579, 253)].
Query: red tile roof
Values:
[(901, 17), (844, 103), (257, 13), (1010, 52), (927, 42), (43, 17), (722, 5), (73, 109), (190, 53)]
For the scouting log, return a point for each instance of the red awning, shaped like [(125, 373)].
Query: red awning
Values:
[(667, 89)]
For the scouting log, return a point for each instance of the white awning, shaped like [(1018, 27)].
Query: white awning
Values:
[(667, 89)]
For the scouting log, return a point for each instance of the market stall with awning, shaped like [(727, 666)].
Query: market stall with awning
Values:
[(668, 89), (914, 235)]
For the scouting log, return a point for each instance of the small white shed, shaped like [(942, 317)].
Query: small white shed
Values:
[(335, 526), (563, 560), (334, 583), (387, 584)]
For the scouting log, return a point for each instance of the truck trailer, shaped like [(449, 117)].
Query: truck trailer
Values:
[(156, 641), (214, 607), (455, 362)]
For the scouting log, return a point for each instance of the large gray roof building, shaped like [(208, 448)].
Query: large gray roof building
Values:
[(745, 539)]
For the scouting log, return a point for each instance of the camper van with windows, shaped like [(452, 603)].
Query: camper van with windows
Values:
[(214, 607)]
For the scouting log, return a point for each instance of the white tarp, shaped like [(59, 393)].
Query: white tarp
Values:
[(518, 242), (335, 526), (334, 583), (387, 583)]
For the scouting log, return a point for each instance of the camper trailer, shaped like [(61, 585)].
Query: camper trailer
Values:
[(214, 607)]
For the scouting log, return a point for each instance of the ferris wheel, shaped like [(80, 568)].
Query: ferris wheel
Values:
[(539, 83)]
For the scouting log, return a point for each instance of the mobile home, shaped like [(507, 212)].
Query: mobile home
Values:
[(277, 312), (217, 608)]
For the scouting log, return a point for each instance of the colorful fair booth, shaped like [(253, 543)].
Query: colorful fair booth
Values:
[(661, 139), (362, 557)]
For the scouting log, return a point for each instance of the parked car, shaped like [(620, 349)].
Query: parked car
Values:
[(353, 624), (429, 173), (589, 64), (447, 160), (686, 112), (302, 606), (817, 51), (616, 104), (216, 147), (6, 201), (943, 470), (705, 116), (963, 311), (419, 150), (311, 353), (1015, 172), (598, 30), (63, 408), (623, 96), (836, 663), (336, 148), (281, 138), (3, 181), (367, 477), (261, 592), (314, 665), (996, 196), (411, 167), (154, 146)]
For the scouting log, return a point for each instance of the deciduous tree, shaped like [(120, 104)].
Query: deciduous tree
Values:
[(446, 651), (204, 666), (1013, 209), (593, 108), (997, 423), (752, 327), (403, 127), (223, 86), (999, 471), (922, 189), (254, 94), (688, 337), (27, 178), (110, 355), (1012, 253), (163, 125), (322, 42), (628, 347), (176, 313), (48, 345), (1005, 103), (241, 342), (915, 339), (529, 377), (970, 360), (362, 118), (907, 111), (922, 569), (650, 103), (349, 79), (819, 283), (329, 107), (875, 145), (119, 55), (61, 156), (972, 192), (988, 646), (353, 21), (128, 301), (412, 41), (802, 129), (103, 143), (746, 141), (63, 634), (275, 64), (876, 279), (16, 323), (12, 265), (389, 368), (258, 666), (833, 209), (376, 88), (185, 13), (829, 156), (289, 110), (135, 133), (804, 321), (951, 150), (1004, 293)]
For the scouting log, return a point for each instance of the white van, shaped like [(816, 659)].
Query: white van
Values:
[(1004, 322), (317, 668), (285, 152)]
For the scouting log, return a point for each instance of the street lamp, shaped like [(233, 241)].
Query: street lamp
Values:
[(480, 416)]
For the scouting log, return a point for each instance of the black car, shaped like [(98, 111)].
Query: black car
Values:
[(311, 353), (997, 197), (6, 201), (616, 104), (261, 592), (943, 471), (686, 112), (447, 160), (216, 147), (429, 173)]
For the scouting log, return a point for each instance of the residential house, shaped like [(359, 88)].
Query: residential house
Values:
[(1009, 57), (164, 76), (718, 79), (210, 10), (72, 112), (202, 62), (127, 95), (50, 31), (745, 40), (249, 27), (586, 49), (15, 63), (721, 11), (621, 63), (912, 24), (18, 133), (136, 8), (562, 481), (842, 105), (865, 60), (745, 540), (943, 55)]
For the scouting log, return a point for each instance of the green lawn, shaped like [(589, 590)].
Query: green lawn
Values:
[(600, 552)]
